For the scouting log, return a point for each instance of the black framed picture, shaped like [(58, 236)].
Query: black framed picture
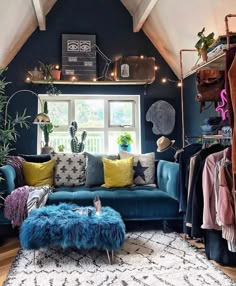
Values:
[(79, 57)]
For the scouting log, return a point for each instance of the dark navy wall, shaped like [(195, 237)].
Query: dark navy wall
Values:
[(112, 25), (193, 117)]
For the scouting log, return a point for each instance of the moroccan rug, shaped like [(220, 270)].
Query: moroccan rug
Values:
[(147, 258)]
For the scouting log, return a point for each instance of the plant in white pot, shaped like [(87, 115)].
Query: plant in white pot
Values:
[(125, 140)]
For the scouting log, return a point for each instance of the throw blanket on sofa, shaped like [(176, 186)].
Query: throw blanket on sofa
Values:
[(23, 200)]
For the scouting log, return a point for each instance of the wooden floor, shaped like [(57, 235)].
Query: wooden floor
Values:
[(9, 249), (7, 254), (230, 271)]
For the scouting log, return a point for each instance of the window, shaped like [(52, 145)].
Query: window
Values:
[(103, 117)]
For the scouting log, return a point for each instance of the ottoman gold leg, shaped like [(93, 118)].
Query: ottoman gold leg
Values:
[(112, 256), (34, 257), (110, 259)]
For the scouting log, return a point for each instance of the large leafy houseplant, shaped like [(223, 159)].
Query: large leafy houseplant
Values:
[(8, 132)]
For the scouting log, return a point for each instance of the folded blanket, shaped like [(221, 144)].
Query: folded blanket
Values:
[(23, 200), (15, 205)]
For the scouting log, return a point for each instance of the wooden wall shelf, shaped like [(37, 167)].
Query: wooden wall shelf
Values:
[(64, 82)]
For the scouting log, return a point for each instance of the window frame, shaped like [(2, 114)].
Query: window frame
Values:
[(71, 115), (133, 113)]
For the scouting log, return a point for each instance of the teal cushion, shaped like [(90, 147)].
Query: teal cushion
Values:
[(9, 174), (140, 203), (95, 171)]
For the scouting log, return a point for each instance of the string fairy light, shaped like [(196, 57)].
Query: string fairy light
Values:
[(165, 80)]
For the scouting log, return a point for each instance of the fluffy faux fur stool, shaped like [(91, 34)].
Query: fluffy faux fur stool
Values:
[(63, 226)]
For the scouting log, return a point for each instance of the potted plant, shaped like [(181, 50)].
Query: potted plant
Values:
[(61, 148), (47, 129), (50, 73), (8, 132), (125, 140), (204, 43)]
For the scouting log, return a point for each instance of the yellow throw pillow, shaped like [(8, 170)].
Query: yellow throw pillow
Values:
[(118, 173), (38, 174)]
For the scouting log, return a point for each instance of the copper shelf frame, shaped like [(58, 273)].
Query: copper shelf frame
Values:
[(205, 65)]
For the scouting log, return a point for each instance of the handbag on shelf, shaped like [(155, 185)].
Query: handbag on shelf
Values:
[(209, 85)]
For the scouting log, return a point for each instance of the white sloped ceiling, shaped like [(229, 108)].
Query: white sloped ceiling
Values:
[(173, 25), (18, 21)]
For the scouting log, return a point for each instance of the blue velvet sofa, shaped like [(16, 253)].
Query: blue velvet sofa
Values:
[(133, 203)]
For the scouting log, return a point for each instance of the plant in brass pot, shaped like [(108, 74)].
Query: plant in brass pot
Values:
[(204, 43), (124, 141)]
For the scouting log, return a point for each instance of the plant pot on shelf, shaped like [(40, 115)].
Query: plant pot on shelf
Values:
[(203, 53), (46, 150), (56, 74)]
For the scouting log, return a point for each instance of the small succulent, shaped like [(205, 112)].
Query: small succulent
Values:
[(61, 148)]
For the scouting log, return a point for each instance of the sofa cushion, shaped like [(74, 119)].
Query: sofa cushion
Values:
[(69, 169), (118, 173), (139, 202), (38, 174), (144, 167), (95, 170)]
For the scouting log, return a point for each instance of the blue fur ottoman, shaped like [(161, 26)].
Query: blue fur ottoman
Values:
[(61, 226)]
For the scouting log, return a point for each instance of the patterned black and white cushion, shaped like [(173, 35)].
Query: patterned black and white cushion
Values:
[(69, 169)]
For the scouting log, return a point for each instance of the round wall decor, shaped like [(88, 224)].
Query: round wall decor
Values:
[(162, 116)]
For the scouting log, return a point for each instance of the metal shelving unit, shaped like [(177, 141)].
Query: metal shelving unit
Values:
[(217, 62)]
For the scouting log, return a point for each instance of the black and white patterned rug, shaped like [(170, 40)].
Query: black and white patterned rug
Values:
[(147, 258)]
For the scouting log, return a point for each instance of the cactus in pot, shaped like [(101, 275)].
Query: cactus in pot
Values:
[(76, 146), (47, 129)]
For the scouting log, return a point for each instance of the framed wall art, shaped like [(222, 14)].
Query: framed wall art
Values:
[(79, 57)]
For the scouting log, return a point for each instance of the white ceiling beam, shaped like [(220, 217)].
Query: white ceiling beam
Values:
[(141, 14), (40, 15)]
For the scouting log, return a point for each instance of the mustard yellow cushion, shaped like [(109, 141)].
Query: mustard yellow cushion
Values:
[(118, 173), (38, 174)]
